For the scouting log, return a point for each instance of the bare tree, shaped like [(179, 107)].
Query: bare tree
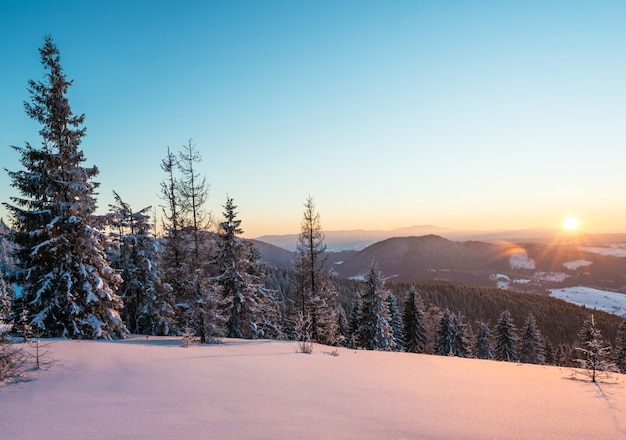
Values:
[(315, 298)]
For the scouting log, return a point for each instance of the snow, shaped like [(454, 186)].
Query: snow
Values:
[(611, 302), (155, 389), (614, 250), (573, 265), (502, 281), (521, 261), (555, 277)]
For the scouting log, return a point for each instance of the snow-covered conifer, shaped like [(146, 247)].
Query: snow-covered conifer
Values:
[(7, 272), (416, 335), (531, 349), (482, 345), (619, 352), (594, 354), (375, 329), (396, 321), (461, 347), (148, 305), (445, 341), (355, 339), (68, 286), (244, 299), (343, 327), (549, 351), (505, 336)]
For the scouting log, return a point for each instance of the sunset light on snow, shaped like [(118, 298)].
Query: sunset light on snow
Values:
[(464, 115)]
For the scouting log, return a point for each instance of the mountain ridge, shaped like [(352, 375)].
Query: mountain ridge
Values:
[(358, 239)]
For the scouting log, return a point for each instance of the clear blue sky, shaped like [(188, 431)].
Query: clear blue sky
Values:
[(468, 114)]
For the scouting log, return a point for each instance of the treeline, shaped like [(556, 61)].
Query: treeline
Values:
[(451, 319), (558, 320)]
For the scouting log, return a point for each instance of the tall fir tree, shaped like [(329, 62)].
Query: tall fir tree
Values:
[(482, 345), (69, 288), (375, 330), (416, 335), (244, 299), (314, 297), (531, 348), (505, 336), (148, 305)]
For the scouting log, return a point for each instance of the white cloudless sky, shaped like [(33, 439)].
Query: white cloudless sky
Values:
[(473, 115)]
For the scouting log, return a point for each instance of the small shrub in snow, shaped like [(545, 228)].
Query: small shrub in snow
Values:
[(305, 347), (189, 338), (11, 358)]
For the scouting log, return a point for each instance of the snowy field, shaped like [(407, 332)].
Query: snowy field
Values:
[(613, 250), (611, 302), (156, 389)]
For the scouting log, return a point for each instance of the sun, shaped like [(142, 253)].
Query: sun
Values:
[(571, 223)]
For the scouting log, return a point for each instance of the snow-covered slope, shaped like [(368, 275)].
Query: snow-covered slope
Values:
[(156, 389), (610, 302)]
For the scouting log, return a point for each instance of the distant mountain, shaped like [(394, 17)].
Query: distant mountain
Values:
[(356, 239), (274, 255), (430, 257), (531, 266), (359, 239)]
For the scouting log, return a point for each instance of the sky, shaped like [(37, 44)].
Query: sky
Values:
[(469, 115)]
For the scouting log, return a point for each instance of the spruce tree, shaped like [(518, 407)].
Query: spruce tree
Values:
[(148, 305), (505, 339), (343, 327), (396, 321), (244, 299), (445, 341), (355, 340), (619, 353), (7, 272), (375, 330), (69, 288), (549, 351), (594, 354), (531, 350), (461, 347), (416, 335), (482, 346)]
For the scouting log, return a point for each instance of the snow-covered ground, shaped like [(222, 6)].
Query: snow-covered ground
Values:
[(520, 260), (573, 265), (613, 250), (611, 302), (156, 389)]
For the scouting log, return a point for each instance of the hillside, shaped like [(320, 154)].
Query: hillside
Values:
[(155, 389)]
